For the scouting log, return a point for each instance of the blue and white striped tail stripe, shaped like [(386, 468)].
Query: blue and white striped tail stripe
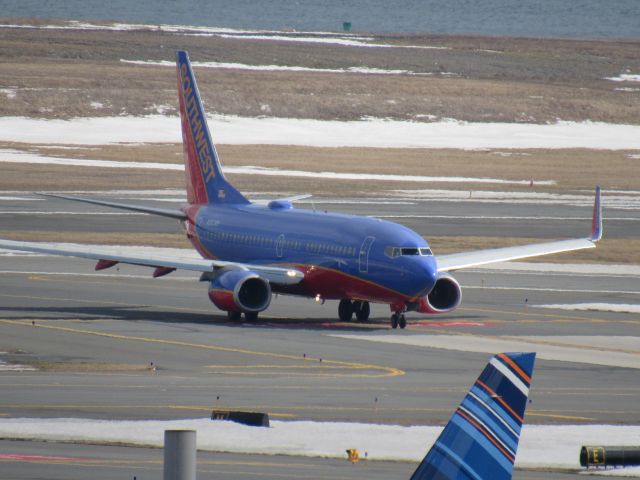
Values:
[(481, 439)]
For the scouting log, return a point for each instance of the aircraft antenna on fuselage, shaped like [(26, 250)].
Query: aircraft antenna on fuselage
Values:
[(205, 181)]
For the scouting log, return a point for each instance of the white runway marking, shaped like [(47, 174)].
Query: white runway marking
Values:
[(594, 307), (624, 201), (561, 290), (613, 351), (507, 217), (551, 268), (165, 278)]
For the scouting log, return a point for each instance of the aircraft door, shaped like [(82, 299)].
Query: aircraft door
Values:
[(280, 246), (363, 260)]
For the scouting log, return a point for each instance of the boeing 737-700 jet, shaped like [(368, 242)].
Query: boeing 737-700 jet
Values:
[(251, 251)]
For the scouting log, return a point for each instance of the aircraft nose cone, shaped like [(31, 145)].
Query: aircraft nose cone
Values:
[(430, 273)]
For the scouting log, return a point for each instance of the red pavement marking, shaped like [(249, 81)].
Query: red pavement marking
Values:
[(451, 324)]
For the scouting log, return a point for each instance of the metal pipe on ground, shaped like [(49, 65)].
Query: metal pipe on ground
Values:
[(179, 455), (609, 456)]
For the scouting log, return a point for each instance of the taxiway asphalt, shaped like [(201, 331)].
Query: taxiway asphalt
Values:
[(94, 337)]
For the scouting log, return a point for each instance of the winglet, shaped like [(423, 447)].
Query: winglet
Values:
[(596, 223), (481, 439)]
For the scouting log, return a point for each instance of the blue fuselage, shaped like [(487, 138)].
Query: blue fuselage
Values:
[(342, 256)]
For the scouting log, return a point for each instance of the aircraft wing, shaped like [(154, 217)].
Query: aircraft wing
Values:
[(457, 261), (107, 257)]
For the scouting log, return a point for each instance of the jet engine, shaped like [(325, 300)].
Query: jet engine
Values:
[(240, 290), (444, 297)]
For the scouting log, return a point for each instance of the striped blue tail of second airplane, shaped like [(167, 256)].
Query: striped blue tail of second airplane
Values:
[(481, 439), (206, 183)]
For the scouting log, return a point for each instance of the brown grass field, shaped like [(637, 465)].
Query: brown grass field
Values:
[(59, 73), (571, 169)]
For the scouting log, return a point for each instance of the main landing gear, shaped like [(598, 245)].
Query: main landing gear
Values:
[(398, 320), (347, 308)]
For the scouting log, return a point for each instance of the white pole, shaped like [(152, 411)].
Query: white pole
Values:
[(179, 455)]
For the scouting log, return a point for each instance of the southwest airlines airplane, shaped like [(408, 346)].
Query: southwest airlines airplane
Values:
[(251, 251)]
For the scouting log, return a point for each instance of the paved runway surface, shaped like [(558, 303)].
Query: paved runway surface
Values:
[(557, 219), (20, 460), (93, 337)]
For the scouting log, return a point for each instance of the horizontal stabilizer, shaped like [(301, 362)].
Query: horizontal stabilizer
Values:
[(163, 212)]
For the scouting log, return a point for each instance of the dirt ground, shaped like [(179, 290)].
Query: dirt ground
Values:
[(69, 73), (571, 169)]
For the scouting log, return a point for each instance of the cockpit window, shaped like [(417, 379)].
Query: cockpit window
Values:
[(394, 252)]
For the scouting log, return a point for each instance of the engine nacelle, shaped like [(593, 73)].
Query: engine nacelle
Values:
[(240, 290), (444, 297)]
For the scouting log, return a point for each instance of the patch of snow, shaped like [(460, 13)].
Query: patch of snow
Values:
[(97, 105), (627, 89), (594, 307), (15, 156), (250, 170), (161, 109), (541, 446), (344, 39), (380, 133), (332, 40), (625, 77), (278, 68), (11, 93), (15, 367), (6, 198), (511, 154)]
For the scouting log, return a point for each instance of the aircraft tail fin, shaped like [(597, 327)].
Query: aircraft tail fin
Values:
[(481, 439), (205, 181)]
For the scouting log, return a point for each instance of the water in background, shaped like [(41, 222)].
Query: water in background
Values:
[(531, 18)]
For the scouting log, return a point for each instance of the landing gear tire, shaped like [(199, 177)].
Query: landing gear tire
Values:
[(362, 311), (398, 320), (251, 316), (345, 310), (234, 316)]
